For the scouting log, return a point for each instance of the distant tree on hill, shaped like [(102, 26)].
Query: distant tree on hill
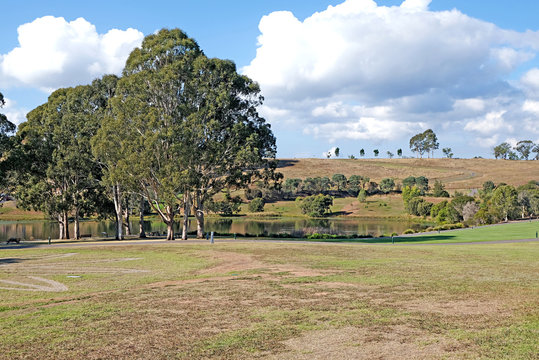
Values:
[(362, 152), (536, 151), (502, 151), (524, 147), (337, 152), (376, 152), (399, 152), (390, 155), (425, 142), (447, 152)]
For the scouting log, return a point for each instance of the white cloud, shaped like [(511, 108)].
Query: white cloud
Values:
[(364, 129), (53, 53), (358, 70), (330, 152), (491, 123), (13, 113)]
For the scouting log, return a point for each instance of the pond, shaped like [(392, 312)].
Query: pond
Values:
[(43, 229)]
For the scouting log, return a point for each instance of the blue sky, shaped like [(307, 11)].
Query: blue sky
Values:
[(355, 76)]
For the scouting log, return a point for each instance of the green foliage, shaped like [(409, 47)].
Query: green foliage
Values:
[(340, 181), (231, 205), (387, 185), (524, 147), (315, 205), (362, 152), (421, 182), (408, 193), (502, 151), (439, 189), (408, 231), (376, 152), (424, 142), (447, 152), (253, 193), (256, 205), (505, 202), (354, 184), (362, 196)]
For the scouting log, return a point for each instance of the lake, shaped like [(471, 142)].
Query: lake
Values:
[(43, 229)]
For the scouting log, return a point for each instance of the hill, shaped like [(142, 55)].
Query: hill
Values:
[(456, 174)]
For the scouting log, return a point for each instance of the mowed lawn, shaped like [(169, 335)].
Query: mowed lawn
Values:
[(271, 301)]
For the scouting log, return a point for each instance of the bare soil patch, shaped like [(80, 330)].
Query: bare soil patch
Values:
[(396, 342)]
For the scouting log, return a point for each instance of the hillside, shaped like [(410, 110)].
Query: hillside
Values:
[(456, 174)]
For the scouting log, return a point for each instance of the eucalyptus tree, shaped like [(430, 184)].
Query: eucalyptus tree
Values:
[(524, 147), (146, 133), (231, 145), (57, 173)]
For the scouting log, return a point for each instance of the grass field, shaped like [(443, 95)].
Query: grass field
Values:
[(271, 301)]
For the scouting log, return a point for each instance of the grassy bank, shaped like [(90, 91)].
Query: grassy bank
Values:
[(271, 301)]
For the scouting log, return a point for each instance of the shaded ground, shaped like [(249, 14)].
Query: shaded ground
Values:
[(273, 301)]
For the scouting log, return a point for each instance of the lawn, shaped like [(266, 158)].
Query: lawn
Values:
[(510, 231), (270, 301)]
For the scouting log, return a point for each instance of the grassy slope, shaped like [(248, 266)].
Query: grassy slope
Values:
[(474, 301), (456, 174)]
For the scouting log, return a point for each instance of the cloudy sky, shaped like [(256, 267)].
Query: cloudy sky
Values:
[(350, 74)]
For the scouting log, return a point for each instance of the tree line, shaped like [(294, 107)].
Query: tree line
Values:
[(174, 130), (521, 151)]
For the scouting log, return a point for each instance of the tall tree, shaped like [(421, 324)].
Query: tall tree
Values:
[(231, 144), (362, 152), (60, 176), (431, 141)]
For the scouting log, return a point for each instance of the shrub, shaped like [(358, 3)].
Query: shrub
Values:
[(362, 196), (256, 205), (251, 193), (387, 184), (315, 205), (409, 231)]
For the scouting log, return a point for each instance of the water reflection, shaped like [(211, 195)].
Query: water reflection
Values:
[(44, 229)]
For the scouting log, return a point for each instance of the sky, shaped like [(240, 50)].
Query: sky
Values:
[(353, 74)]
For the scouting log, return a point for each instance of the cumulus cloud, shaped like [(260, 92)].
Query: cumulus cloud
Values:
[(491, 123), (53, 53), (358, 70)]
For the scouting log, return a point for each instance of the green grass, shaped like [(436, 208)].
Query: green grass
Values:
[(245, 300)]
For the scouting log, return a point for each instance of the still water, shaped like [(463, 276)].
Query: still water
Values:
[(43, 229)]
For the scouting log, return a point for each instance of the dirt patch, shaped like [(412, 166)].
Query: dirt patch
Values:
[(396, 342), (455, 307), (236, 262)]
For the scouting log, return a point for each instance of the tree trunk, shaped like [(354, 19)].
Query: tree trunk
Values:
[(199, 214), (186, 211), (118, 209), (170, 230), (61, 225), (76, 230), (66, 225), (141, 232), (127, 224)]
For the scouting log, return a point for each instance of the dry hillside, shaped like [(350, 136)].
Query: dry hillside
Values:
[(454, 173)]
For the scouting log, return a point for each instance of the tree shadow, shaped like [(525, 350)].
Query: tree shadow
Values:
[(11, 260), (286, 163)]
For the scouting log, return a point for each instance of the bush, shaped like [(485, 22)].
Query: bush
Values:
[(256, 205), (409, 231), (362, 196), (315, 205)]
